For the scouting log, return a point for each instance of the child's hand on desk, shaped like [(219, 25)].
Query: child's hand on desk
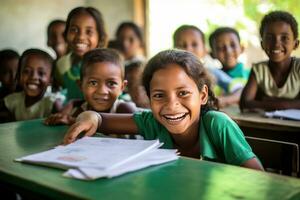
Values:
[(59, 118), (86, 122)]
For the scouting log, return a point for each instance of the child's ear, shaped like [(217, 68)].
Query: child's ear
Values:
[(204, 95), (124, 84), (296, 44)]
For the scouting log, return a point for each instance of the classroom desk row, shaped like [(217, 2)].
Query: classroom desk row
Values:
[(182, 179), (256, 125)]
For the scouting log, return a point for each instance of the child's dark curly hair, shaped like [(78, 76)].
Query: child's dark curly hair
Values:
[(189, 63), (276, 16)]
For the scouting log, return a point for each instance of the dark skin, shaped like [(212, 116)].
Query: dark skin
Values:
[(278, 41)]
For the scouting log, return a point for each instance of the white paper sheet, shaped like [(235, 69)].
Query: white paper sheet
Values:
[(293, 114), (102, 153), (153, 157), (93, 157)]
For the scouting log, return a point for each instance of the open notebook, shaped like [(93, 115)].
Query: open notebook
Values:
[(94, 157)]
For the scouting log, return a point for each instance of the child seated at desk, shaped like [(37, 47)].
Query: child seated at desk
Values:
[(226, 47), (9, 60), (101, 82), (34, 76), (275, 84), (183, 114)]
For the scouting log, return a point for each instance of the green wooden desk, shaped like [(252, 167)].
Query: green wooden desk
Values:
[(181, 179)]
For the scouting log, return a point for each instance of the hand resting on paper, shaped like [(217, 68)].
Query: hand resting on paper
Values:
[(86, 122)]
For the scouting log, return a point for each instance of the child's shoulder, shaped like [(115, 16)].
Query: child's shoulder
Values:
[(63, 64), (16, 96), (123, 107), (296, 64), (216, 119), (217, 116)]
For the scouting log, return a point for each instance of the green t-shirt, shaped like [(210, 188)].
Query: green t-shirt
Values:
[(70, 78), (220, 138), (239, 71)]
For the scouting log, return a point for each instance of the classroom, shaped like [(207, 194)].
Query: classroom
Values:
[(149, 99)]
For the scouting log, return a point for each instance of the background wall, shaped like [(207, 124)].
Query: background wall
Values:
[(24, 22)]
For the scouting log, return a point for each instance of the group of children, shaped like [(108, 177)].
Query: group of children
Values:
[(183, 88)]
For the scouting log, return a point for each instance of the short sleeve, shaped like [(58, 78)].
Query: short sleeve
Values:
[(228, 138)]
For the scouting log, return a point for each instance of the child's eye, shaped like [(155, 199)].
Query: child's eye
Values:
[(194, 45), (73, 29), (112, 83), (285, 38), (89, 32), (92, 83), (42, 73), (183, 93), (26, 71), (157, 95)]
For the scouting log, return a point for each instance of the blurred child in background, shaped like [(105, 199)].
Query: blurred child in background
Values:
[(34, 76), (131, 42), (9, 60), (55, 37), (191, 38), (226, 47), (84, 31)]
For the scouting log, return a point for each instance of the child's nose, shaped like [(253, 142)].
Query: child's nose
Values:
[(102, 89), (34, 75), (172, 102), (80, 35)]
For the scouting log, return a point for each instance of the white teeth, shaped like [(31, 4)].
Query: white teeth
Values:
[(81, 45), (32, 86), (276, 51), (175, 117)]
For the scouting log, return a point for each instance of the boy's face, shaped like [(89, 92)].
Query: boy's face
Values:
[(8, 74), (278, 41), (226, 49), (101, 85), (82, 34), (175, 100), (56, 39), (191, 40), (130, 43), (35, 75)]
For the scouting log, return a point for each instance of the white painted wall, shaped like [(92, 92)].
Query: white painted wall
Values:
[(24, 22)]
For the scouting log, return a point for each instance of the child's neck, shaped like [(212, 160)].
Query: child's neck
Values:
[(188, 143), (279, 67), (29, 101), (75, 59), (280, 71)]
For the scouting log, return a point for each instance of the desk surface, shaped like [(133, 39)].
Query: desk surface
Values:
[(257, 120), (182, 179)]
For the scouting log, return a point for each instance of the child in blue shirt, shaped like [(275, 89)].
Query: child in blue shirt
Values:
[(226, 47), (183, 114)]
